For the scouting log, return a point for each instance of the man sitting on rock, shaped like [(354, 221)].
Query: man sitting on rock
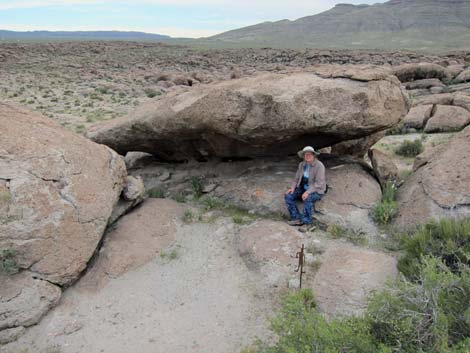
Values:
[(309, 186)]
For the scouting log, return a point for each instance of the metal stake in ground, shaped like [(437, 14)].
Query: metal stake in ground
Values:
[(300, 268)]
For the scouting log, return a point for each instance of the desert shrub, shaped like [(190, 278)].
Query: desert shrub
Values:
[(448, 239), (8, 264), (196, 187), (384, 211), (430, 314), (156, 193), (410, 148), (302, 329), (151, 93), (210, 203), (188, 216)]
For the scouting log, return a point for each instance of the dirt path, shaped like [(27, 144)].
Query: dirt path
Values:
[(204, 300)]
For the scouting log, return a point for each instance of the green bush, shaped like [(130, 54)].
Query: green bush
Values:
[(210, 203), (448, 239), (302, 329), (151, 93), (196, 186), (384, 211), (428, 315), (410, 148), (156, 193), (427, 311), (8, 263)]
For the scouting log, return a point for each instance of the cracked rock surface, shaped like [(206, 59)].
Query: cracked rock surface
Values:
[(57, 192)]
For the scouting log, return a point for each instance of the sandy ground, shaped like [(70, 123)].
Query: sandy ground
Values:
[(204, 300)]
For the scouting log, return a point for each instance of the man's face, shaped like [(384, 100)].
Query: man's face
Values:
[(308, 157)]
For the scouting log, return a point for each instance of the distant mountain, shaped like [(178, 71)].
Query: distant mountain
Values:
[(81, 35), (413, 24)]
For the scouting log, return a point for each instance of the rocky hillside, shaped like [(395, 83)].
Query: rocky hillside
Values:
[(427, 24)]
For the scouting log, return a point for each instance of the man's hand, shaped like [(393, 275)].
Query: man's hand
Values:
[(304, 195), (289, 191)]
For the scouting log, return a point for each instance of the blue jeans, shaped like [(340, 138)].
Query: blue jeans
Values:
[(309, 204)]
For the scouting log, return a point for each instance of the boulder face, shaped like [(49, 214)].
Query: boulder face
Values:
[(418, 116), (447, 119), (264, 115), (384, 167), (439, 187), (57, 191)]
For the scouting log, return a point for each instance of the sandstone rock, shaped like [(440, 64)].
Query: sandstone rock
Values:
[(347, 275), (24, 300), (447, 119), (443, 99), (464, 76), (418, 116), (134, 188), (426, 83), (270, 247), (419, 71), (134, 240), (11, 334), (59, 191), (259, 185), (454, 70), (439, 187), (264, 115), (384, 167), (358, 147), (462, 100)]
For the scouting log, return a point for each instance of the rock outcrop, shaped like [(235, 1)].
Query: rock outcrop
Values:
[(57, 190), (420, 71), (259, 186), (447, 119), (439, 186), (264, 115)]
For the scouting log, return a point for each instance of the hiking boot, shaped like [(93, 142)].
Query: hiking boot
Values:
[(295, 222), (304, 228)]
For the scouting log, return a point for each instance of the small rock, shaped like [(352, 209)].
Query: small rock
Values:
[(209, 188), (309, 259), (165, 176), (294, 283), (72, 327), (134, 188)]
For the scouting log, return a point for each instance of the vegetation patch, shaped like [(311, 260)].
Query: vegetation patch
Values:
[(410, 148), (426, 310), (8, 264), (384, 211)]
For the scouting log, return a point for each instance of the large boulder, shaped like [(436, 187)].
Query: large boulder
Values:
[(57, 190), (384, 167), (447, 119), (464, 76), (440, 185), (263, 115), (420, 71), (348, 275), (418, 116)]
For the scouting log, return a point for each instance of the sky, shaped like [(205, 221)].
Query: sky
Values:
[(177, 18)]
